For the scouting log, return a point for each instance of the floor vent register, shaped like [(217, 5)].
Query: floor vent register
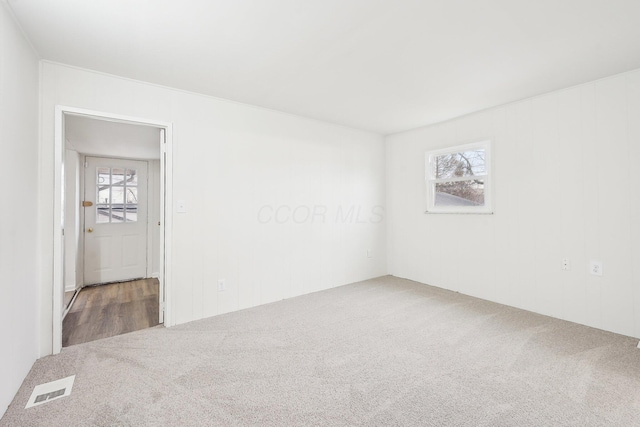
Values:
[(48, 392)]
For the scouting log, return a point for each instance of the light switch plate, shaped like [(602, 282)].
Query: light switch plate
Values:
[(181, 206)]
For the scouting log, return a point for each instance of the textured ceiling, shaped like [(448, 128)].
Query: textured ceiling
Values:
[(378, 65)]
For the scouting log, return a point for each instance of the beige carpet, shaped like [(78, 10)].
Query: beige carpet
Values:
[(381, 352)]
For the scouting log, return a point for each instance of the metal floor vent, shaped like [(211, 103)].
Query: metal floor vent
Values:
[(44, 393)]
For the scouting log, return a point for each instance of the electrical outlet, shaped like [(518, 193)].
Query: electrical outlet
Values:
[(566, 265), (222, 285), (595, 268), (369, 253)]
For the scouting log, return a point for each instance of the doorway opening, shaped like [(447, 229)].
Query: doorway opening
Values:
[(111, 262)]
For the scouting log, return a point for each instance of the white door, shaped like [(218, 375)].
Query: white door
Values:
[(115, 220)]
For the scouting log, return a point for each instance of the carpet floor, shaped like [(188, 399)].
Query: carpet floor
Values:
[(381, 352)]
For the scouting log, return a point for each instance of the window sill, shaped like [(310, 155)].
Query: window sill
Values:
[(456, 213)]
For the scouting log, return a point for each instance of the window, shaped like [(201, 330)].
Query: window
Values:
[(117, 195), (459, 179)]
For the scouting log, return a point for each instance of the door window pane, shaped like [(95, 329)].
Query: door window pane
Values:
[(117, 176), (117, 214), (132, 213), (132, 195), (103, 196), (132, 177), (116, 195), (104, 176), (102, 214)]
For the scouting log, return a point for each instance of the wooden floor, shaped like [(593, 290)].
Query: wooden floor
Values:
[(109, 310)]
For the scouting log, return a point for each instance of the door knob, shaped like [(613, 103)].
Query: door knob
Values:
[(90, 230)]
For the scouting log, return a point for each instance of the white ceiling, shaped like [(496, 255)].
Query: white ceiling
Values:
[(379, 65), (111, 139)]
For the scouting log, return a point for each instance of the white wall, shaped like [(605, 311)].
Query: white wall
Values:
[(72, 276), (565, 187), (230, 160), (18, 220)]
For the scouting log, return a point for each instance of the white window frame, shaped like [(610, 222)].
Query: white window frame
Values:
[(430, 180)]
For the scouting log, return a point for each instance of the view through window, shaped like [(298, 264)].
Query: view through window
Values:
[(458, 179)]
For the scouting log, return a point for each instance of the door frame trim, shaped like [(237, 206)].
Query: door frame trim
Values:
[(166, 202)]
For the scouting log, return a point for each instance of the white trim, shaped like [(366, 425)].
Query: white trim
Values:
[(81, 217), (458, 179), (151, 201), (166, 221), (430, 180), (166, 198), (58, 227), (154, 221)]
